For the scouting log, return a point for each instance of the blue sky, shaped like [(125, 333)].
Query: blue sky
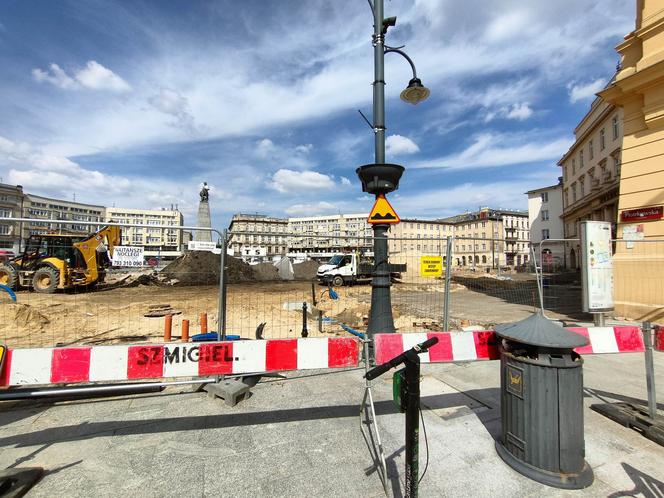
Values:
[(135, 104)]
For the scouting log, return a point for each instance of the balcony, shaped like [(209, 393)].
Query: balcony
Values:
[(594, 184), (511, 233)]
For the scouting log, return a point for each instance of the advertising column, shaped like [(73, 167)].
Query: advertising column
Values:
[(596, 268)]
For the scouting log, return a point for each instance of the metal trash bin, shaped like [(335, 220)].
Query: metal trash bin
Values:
[(542, 403)]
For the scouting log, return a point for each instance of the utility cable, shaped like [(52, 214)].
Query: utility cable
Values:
[(426, 444)]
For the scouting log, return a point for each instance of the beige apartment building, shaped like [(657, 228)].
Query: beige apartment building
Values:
[(158, 242), (591, 173), (254, 237), (490, 238), (329, 233), (414, 237), (638, 91)]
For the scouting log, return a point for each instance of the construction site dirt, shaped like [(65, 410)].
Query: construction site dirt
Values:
[(118, 314)]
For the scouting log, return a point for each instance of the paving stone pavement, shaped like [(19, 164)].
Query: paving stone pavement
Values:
[(300, 437)]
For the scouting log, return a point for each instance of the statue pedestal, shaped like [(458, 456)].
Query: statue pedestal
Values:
[(204, 222)]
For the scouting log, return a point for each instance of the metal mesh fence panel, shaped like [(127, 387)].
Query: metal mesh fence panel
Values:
[(128, 303), (492, 281), (283, 295), (418, 283), (638, 279), (320, 285)]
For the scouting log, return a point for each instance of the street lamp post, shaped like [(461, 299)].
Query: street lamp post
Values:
[(381, 178)]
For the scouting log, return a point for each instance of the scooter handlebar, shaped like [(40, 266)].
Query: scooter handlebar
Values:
[(417, 349)]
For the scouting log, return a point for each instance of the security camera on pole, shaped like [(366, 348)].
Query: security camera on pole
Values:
[(380, 178)]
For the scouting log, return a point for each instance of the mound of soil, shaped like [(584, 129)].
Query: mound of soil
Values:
[(305, 270), (265, 272), (236, 270), (202, 268)]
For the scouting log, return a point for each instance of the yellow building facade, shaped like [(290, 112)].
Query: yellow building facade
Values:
[(639, 89)]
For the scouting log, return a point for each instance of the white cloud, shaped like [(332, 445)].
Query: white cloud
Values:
[(56, 76), (290, 181), (585, 91), (397, 145), (293, 157), (519, 112), (265, 147), (439, 203), (508, 26), (98, 77), (345, 181), (304, 149), (93, 76), (56, 175), (492, 150), (173, 103), (312, 209)]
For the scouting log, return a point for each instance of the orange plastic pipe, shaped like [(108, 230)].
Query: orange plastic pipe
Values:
[(204, 328), (185, 330), (168, 326)]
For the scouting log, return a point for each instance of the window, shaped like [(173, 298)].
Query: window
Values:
[(545, 197), (582, 187), (573, 166), (565, 173), (602, 141), (580, 159), (5, 213), (4, 229), (566, 198), (614, 126), (573, 192), (545, 215), (591, 152), (545, 233), (616, 166)]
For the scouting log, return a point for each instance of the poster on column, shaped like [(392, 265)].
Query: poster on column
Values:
[(596, 266)]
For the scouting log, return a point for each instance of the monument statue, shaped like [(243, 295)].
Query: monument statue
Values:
[(205, 192), (204, 215)]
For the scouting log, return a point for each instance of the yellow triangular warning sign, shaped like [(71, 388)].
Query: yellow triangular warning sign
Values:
[(382, 212)]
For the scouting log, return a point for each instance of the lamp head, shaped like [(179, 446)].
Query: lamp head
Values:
[(415, 92)]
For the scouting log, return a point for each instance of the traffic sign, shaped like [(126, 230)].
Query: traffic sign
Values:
[(382, 212)]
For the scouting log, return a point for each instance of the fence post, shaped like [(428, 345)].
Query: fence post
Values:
[(538, 279), (221, 313), (650, 370), (448, 278)]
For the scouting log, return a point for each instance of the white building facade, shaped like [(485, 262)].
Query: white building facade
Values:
[(46, 208), (545, 211)]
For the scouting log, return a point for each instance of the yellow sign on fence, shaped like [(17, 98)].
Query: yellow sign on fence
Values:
[(431, 266)]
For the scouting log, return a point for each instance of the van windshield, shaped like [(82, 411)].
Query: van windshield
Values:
[(335, 260)]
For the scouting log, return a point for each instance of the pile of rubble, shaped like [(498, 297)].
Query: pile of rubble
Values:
[(202, 268)]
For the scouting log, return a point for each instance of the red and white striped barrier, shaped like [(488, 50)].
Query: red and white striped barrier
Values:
[(658, 341), (483, 345), (150, 361)]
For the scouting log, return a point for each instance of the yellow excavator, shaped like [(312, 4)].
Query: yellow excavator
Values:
[(57, 261)]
